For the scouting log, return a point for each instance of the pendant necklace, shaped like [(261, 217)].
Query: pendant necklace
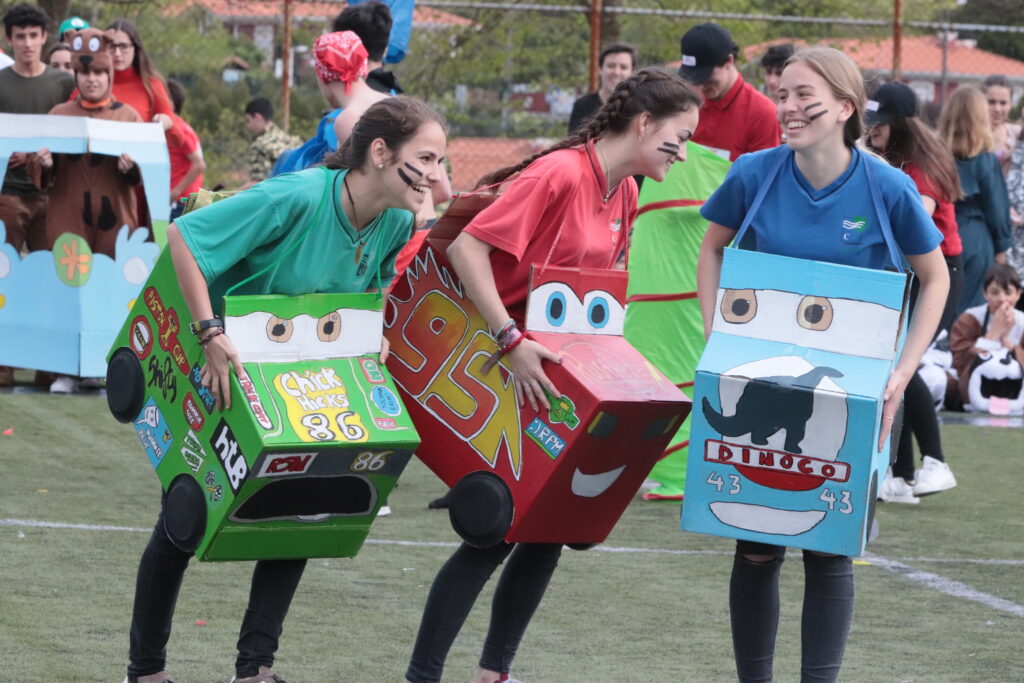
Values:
[(605, 170), (355, 220)]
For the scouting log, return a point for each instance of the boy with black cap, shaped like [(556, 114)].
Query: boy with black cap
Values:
[(735, 118)]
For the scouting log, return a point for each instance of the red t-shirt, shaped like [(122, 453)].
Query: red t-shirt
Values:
[(945, 212), (741, 121), (565, 188), (182, 141)]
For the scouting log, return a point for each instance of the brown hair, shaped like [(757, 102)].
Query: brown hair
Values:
[(964, 124), (656, 91), (395, 120), (1002, 274), (140, 60), (845, 80), (910, 141)]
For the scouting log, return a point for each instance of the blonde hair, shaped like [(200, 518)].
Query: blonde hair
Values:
[(845, 80), (964, 124)]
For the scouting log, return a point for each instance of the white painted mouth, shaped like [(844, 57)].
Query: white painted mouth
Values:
[(312, 518), (593, 485), (766, 520)]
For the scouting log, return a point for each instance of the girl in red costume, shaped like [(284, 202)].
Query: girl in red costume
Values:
[(576, 200)]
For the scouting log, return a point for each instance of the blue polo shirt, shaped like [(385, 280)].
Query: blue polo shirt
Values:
[(837, 223)]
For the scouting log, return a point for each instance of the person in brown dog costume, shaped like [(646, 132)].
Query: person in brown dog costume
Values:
[(91, 195)]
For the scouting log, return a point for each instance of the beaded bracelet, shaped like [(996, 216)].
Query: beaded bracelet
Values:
[(217, 331)]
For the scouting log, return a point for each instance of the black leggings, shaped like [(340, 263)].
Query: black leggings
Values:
[(161, 570), (455, 589), (754, 609), (920, 422)]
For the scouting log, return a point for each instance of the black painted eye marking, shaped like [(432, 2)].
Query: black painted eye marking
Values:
[(414, 169), (669, 148), (818, 115), (405, 178)]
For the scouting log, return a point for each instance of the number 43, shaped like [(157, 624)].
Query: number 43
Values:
[(716, 480), (829, 498)]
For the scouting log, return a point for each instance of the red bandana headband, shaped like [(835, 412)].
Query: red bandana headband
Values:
[(341, 57)]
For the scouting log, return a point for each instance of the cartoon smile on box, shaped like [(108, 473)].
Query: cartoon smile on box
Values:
[(558, 475), (784, 445), (315, 439)]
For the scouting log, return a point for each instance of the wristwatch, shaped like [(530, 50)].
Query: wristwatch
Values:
[(197, 326)]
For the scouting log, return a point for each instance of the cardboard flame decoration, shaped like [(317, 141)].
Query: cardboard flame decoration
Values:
[(562, 475)]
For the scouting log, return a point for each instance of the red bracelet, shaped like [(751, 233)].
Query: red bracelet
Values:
[(217, 331), (513, 344)]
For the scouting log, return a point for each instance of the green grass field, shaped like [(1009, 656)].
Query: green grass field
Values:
[(940, 599)]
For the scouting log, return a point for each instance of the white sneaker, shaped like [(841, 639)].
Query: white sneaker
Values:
[(897, 490), (933, 477), (90, 383), (384, 511), (63, 385)]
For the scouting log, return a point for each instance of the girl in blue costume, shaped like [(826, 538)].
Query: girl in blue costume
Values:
[(818, 180), (337, 228)]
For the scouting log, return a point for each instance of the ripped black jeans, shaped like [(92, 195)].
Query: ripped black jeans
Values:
[(754, 610)]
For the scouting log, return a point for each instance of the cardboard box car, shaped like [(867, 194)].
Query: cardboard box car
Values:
[(313, 443), (558, 475), (789, 396)]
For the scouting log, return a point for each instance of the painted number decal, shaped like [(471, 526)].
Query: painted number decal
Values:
[(369, 462), (319, 426), (716, 480), (829, 499)]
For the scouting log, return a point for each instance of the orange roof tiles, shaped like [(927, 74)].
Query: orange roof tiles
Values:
[(919, 54), (473, 157)]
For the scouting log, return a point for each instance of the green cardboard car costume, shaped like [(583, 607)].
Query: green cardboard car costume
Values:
[(663, 318), (315, 438)]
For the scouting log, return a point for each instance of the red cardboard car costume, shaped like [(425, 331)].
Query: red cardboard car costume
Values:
[(563, 474)]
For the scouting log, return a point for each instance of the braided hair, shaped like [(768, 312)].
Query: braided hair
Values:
[(659, 92)]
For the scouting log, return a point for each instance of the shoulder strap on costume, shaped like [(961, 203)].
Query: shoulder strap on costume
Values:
[(759, 197), (883, 216), (296, 243)]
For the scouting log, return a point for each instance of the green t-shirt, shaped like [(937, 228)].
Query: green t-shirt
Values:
[(236, 237), (37, 95)]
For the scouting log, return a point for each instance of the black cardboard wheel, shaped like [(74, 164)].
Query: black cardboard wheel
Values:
[(480, 509), (581, 546), (185, 513), (126, 385)]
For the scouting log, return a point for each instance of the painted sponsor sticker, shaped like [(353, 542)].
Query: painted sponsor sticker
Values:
[(385, 423), (775, 461), (226, 447), (386, 400), (545, 437), (153, 432), (193, 453), (255, 405), (276, 465), (140, 336), (168, 327), (372, 371), (205, 395), (214, 491), (193, 415), (317, 405)]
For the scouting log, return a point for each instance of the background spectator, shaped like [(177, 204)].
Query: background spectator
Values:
[(1015, 189), (999, 95), (616, 62), (185, 151), (772, 62), (269, 143), (137, 82), (983, 214), (372, 22), (70, 25)]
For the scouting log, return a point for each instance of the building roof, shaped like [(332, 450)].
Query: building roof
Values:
[(473, 157), (920, 56), (270, 11)]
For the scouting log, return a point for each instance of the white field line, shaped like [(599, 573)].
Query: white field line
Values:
[(928, 579)]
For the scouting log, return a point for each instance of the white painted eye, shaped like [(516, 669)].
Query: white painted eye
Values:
[(94, 44), (135, 270), (5, 265), (602, 313), (76, 44), (552, 308)]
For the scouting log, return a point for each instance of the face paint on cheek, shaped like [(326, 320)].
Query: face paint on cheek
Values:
[(817, 115), (405, 177), (670, 148), (414, 169)]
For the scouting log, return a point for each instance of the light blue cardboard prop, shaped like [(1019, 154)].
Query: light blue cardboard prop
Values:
[(788, 400), (61, 310), (401, 28)]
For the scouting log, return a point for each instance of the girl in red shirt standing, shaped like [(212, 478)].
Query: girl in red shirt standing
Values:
[(575, 201), (903, 139)]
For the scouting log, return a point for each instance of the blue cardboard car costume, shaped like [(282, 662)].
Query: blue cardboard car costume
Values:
[(788, 400)]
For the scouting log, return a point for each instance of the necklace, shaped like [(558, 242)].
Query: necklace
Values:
[(605, 169), (355, 220)]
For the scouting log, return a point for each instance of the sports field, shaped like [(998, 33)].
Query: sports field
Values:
[(940, 597)]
